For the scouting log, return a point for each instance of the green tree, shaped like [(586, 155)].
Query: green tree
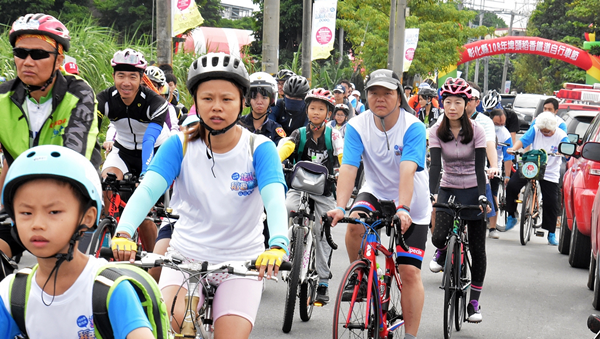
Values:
[(11, 10), (492, 20), (248, 23), (211, 12), (126, 16)]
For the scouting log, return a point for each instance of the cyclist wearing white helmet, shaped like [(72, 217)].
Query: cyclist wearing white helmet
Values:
[(43, 105), (340, 118), (261, 97), (493, 100), (360, 107), (138, 116), (224, 176), (52, 194), (159, 80)]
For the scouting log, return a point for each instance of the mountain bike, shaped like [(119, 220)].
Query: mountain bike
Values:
[(457, 268), (373, 308), (198, 321), (302, 247)]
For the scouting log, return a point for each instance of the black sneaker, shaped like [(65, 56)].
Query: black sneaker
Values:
[(349, 289), (322, 295)]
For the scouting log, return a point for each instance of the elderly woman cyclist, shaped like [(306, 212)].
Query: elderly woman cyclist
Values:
[(543, 135)]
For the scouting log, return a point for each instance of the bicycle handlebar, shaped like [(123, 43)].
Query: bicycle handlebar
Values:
[(166, 213), (457, 207), (151, 260), (326, 222), (128, 184)]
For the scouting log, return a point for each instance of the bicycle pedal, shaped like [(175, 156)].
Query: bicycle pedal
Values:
[(319, 303), (539, 233)]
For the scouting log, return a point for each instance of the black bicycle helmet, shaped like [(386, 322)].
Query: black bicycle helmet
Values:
[(296, 87), (284, 74), (218, 66), (428, 93)]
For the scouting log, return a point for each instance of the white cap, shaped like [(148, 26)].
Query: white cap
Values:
[(356, 93)]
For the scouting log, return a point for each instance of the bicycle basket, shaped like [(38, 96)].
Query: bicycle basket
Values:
[(533, 164), (310, 177)]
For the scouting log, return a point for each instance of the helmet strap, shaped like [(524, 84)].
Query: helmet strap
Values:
[(382, 118), (32, 88), (315, 127), (213, 132), (261, 116)]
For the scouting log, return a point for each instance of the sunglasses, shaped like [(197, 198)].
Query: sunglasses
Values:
[(36, 54)]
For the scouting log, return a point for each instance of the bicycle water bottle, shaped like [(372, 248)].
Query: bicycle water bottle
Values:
[(188, 330), (380, 276)]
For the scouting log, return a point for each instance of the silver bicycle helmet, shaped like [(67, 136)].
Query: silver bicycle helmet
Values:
[(156, 75), (284, 74), (218, 66)]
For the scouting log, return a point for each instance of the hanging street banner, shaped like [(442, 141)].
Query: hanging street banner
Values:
[(323, 28), (411, 38), (184, 16)]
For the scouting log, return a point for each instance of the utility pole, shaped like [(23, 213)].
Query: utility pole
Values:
[(390, 60), (400, 23), (270, 45), (164, 39), (505, 68), (486, 63), (341, 44), (307, 40), (476, 79)]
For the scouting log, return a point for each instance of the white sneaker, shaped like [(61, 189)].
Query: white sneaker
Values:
[(494, 234), (434, 266)]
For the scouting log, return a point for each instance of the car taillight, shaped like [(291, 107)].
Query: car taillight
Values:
[(594, 171)]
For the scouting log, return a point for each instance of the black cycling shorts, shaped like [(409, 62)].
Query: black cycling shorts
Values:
[(415, 237)]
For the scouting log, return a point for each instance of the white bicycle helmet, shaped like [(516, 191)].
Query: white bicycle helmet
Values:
[(265, 84), (218, 66), (156, 75), (490, 101), (129, 60)]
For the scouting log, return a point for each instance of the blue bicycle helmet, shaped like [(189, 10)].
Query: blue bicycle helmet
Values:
[(50, 161)]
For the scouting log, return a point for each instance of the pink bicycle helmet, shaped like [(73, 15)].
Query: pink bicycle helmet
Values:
[(43, 24), (321, 94), (456, 87), (129, 60)]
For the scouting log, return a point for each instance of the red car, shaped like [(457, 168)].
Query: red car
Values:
[(591, 151), (580, 184)]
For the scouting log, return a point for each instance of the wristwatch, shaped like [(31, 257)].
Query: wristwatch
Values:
[(123, 235)]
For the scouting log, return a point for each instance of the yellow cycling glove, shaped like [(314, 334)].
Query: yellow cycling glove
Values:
[(123, 244), (272, 256)]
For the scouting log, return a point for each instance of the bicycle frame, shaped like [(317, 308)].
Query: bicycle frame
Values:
[(369, 245), (307, 223)]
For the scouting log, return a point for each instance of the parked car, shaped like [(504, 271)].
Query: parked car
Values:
[(580, 184), (591, 152), (525, 106), (507, 100)]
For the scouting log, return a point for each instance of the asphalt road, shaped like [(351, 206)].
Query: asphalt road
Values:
[(529, 292)]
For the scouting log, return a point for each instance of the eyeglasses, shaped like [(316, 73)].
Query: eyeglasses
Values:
[(36, 54)]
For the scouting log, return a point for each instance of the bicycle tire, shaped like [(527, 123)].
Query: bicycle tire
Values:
[(394, 312), (450, 286), (526, 219), (358, 326), (99, 236), (297, 251), (308, 288), (464, 284)]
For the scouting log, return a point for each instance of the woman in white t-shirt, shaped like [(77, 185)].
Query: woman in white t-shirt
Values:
[(223, 177), (543, 135)]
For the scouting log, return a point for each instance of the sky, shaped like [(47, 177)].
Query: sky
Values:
[(522, 7)]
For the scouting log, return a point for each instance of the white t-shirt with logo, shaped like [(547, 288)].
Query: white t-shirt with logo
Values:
[(534, 137), (407, 142)]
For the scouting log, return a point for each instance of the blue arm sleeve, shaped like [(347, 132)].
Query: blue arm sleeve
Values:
[(563, 126), (125, 311), (415, 145), (353, 147), (150, 136), (507, 156), (273, 196), (528, 137), (142, 200), (8, 327), (267, 165)]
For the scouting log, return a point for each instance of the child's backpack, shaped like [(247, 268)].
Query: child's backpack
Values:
[(107, 278), (328, 145)]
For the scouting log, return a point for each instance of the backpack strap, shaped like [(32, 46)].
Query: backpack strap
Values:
[(251, 150), (329, 146), (19, 293), (107, 278), (302, 132)]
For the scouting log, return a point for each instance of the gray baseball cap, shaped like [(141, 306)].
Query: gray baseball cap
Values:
[(385, 78)]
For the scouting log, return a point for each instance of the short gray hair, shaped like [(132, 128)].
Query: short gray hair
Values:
[(546, 120)]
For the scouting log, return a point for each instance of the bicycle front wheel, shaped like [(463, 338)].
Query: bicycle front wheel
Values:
[(296, 252), (358, 318), (102, 236), (308, 289), (463, 277), (395, 318), (450, 285), (526, 217)]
